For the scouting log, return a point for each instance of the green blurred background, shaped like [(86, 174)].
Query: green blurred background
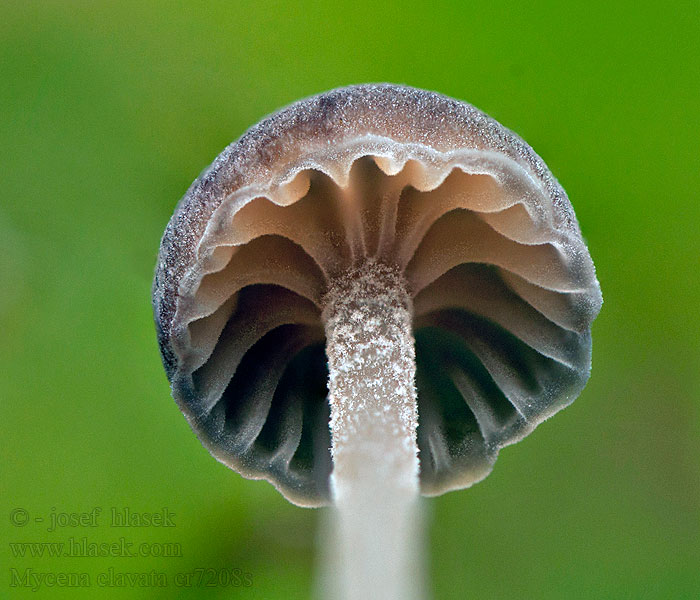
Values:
[(108, 111)]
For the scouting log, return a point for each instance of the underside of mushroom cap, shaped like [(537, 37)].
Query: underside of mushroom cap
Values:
[(503, 287)]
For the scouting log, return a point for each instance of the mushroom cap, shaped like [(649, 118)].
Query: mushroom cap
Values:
[(503, 286)]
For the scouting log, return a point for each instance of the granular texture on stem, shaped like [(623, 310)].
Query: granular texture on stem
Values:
[(374, 417), (371, 361)]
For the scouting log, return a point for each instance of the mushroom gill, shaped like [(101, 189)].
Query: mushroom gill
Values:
[(504, 292)]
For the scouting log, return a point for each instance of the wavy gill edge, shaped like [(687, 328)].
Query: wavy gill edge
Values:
[(285, 190)]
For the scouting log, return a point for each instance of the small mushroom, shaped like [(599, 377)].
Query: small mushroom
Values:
[(364, 298)]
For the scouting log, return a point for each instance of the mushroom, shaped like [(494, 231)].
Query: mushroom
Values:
[(363, 299)]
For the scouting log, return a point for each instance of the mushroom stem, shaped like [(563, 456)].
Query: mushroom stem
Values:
[(374, 416)]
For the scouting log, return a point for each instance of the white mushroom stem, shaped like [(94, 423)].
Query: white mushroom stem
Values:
[(374, 416)]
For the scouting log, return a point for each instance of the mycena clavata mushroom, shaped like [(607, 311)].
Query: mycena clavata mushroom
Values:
[(363, 299)]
